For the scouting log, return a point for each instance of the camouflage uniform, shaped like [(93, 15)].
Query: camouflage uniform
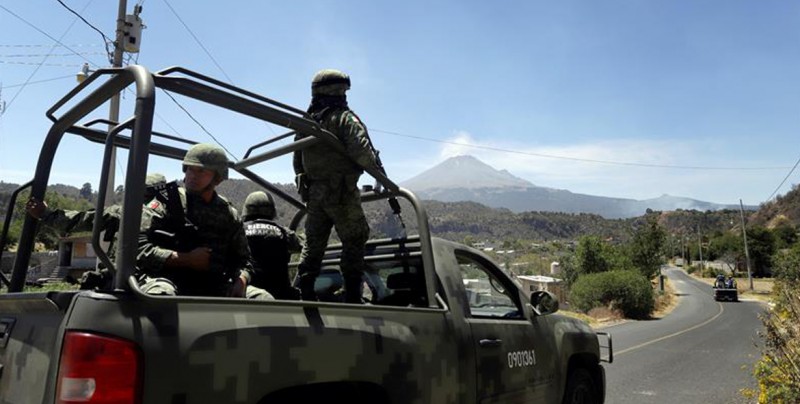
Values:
[(217, 227), (271, 246), (73, 221), (332, 197), (194, 223)]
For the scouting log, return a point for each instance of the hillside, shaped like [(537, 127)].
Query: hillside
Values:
[(784, 208), (459, 220)]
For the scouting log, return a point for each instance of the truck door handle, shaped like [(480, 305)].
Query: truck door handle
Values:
[(488, 343)]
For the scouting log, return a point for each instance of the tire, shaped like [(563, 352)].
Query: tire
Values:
[(580, 388)]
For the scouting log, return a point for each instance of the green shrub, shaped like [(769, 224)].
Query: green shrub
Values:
[(627, 291)]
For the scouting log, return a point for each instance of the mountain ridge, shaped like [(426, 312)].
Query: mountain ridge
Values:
[(466, 178)]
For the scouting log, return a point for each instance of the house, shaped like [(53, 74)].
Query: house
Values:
[(532, 283)]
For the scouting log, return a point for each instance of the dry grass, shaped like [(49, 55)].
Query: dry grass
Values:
[(665, 302)]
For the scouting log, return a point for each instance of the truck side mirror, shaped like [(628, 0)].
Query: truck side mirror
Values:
[(544, 302)]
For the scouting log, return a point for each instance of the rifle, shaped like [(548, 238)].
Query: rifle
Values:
[(181, 234), (394, 204)]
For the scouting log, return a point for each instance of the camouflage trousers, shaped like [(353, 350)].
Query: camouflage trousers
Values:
[(165, 287), (333, 204)]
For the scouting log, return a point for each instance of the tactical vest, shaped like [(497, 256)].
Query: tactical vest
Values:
[(269, 247)]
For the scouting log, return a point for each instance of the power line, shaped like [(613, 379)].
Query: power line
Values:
[(45, 46), (198, 123), (40, 81), (32, 55), (6, 62), (106, 39), (57, 41), (784, 180), (198, 41), (585, 160)]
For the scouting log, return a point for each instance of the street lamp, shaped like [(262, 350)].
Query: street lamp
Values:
[(83, 73)]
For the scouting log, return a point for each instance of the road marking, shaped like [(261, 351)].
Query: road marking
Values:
[(694, 327)]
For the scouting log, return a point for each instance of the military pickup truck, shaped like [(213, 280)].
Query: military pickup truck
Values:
[(441, 323)]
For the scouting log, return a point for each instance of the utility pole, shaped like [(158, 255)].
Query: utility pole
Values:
[(746, 251), (113, 112), (700, 250)]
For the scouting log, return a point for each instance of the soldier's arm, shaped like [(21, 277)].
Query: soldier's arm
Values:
[(240, 252), (297, 158), (295, 241), (150, 258), (356, 140)]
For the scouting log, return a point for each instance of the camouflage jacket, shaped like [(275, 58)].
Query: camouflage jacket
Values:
[(73, 221), (320, 163), (216, 225)]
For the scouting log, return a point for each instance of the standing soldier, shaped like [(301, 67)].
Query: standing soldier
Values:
[(328, 184), (271, 246), (194, 243)]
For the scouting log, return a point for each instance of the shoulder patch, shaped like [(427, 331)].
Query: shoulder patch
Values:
[(155, 204)]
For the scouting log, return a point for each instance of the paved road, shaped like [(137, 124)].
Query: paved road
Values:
[(703, 352)]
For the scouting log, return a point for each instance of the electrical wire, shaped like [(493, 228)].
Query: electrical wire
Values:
[(552, 156), (198, 41), (198, 122), (106, 40), (40, 81), (784, 180), (5, 62), (57, 41), (31, 55)]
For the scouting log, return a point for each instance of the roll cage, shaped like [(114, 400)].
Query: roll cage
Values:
[(135, 133)]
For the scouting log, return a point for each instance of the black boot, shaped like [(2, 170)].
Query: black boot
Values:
[(352, 289), (306, 285)]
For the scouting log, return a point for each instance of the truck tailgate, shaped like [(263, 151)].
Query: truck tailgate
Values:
[(29, 324)]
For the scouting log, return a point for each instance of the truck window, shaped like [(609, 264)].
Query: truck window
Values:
[(488, 294)]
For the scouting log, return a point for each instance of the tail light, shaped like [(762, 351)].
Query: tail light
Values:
[(99, 369)]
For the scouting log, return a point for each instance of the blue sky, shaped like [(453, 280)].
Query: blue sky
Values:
[(627, 99)]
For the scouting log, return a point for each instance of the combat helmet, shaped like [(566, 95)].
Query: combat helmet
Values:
[(152, 181), (258, 205), (330, 82), (207, 156)]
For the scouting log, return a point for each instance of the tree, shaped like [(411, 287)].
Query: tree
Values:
[(86, 191), (761, 245), (647, 246), (591, 256), (727, 247)]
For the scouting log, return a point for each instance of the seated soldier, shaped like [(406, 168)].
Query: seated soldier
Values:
[(73, 221), (194, 244), (271, 246)]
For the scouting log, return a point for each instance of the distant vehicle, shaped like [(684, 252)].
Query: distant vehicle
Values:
[(725, 289)]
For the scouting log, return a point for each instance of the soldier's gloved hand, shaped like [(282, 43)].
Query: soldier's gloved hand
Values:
[(198, 259), (36, 208)]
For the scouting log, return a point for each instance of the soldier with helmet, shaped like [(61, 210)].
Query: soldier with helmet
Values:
[(271, 246), (72, 221), (194, 244), (328, 183)]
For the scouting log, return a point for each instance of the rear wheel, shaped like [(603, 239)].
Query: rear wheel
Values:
[(580, 388)]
